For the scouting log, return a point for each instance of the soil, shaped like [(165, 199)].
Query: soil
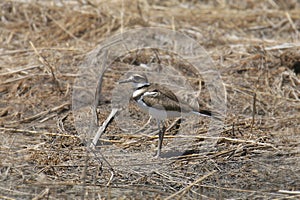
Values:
[(47, 47)]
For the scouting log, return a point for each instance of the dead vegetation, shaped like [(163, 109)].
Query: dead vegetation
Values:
[(255, 47)]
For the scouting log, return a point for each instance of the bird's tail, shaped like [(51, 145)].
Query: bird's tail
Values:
[(205, 113)]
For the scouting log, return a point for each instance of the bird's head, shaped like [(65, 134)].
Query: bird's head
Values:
[(138, 80)]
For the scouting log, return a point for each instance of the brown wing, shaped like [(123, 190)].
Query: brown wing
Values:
[(164, 100), (164, 91)]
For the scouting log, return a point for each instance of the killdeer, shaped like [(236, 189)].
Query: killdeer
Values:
[(159, 102)]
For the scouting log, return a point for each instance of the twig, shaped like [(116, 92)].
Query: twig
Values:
[(60, 123), (16, 79), (42, 195), (235, 189), (48, 117), (225, 139), (189, 186), (37, 132), (249, 92), (144, 126), (41, 114), (84, 174), (253, 111), (48, 65), (288, 192), (282, 46), (292, 23), (63, 28), (111, 169), (175, 122), (6, 198), (103, 127), (19, 70)]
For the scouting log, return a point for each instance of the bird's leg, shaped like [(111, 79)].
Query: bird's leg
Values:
[(161, 134)]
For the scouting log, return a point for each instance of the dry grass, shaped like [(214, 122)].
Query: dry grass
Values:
[(255, 47)]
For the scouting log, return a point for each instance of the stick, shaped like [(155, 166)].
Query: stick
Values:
[(176, 121), (37, 132), (43, 60), (144, 126), (103, 127), (288, 192), (111, 169), (191, 185), (253, 111), (42, 195), (41, 114), (19, 70)]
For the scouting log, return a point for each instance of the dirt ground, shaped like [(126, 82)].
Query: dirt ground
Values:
[(254, 45)]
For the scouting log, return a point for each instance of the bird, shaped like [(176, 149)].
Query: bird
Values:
[(160, 103)]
